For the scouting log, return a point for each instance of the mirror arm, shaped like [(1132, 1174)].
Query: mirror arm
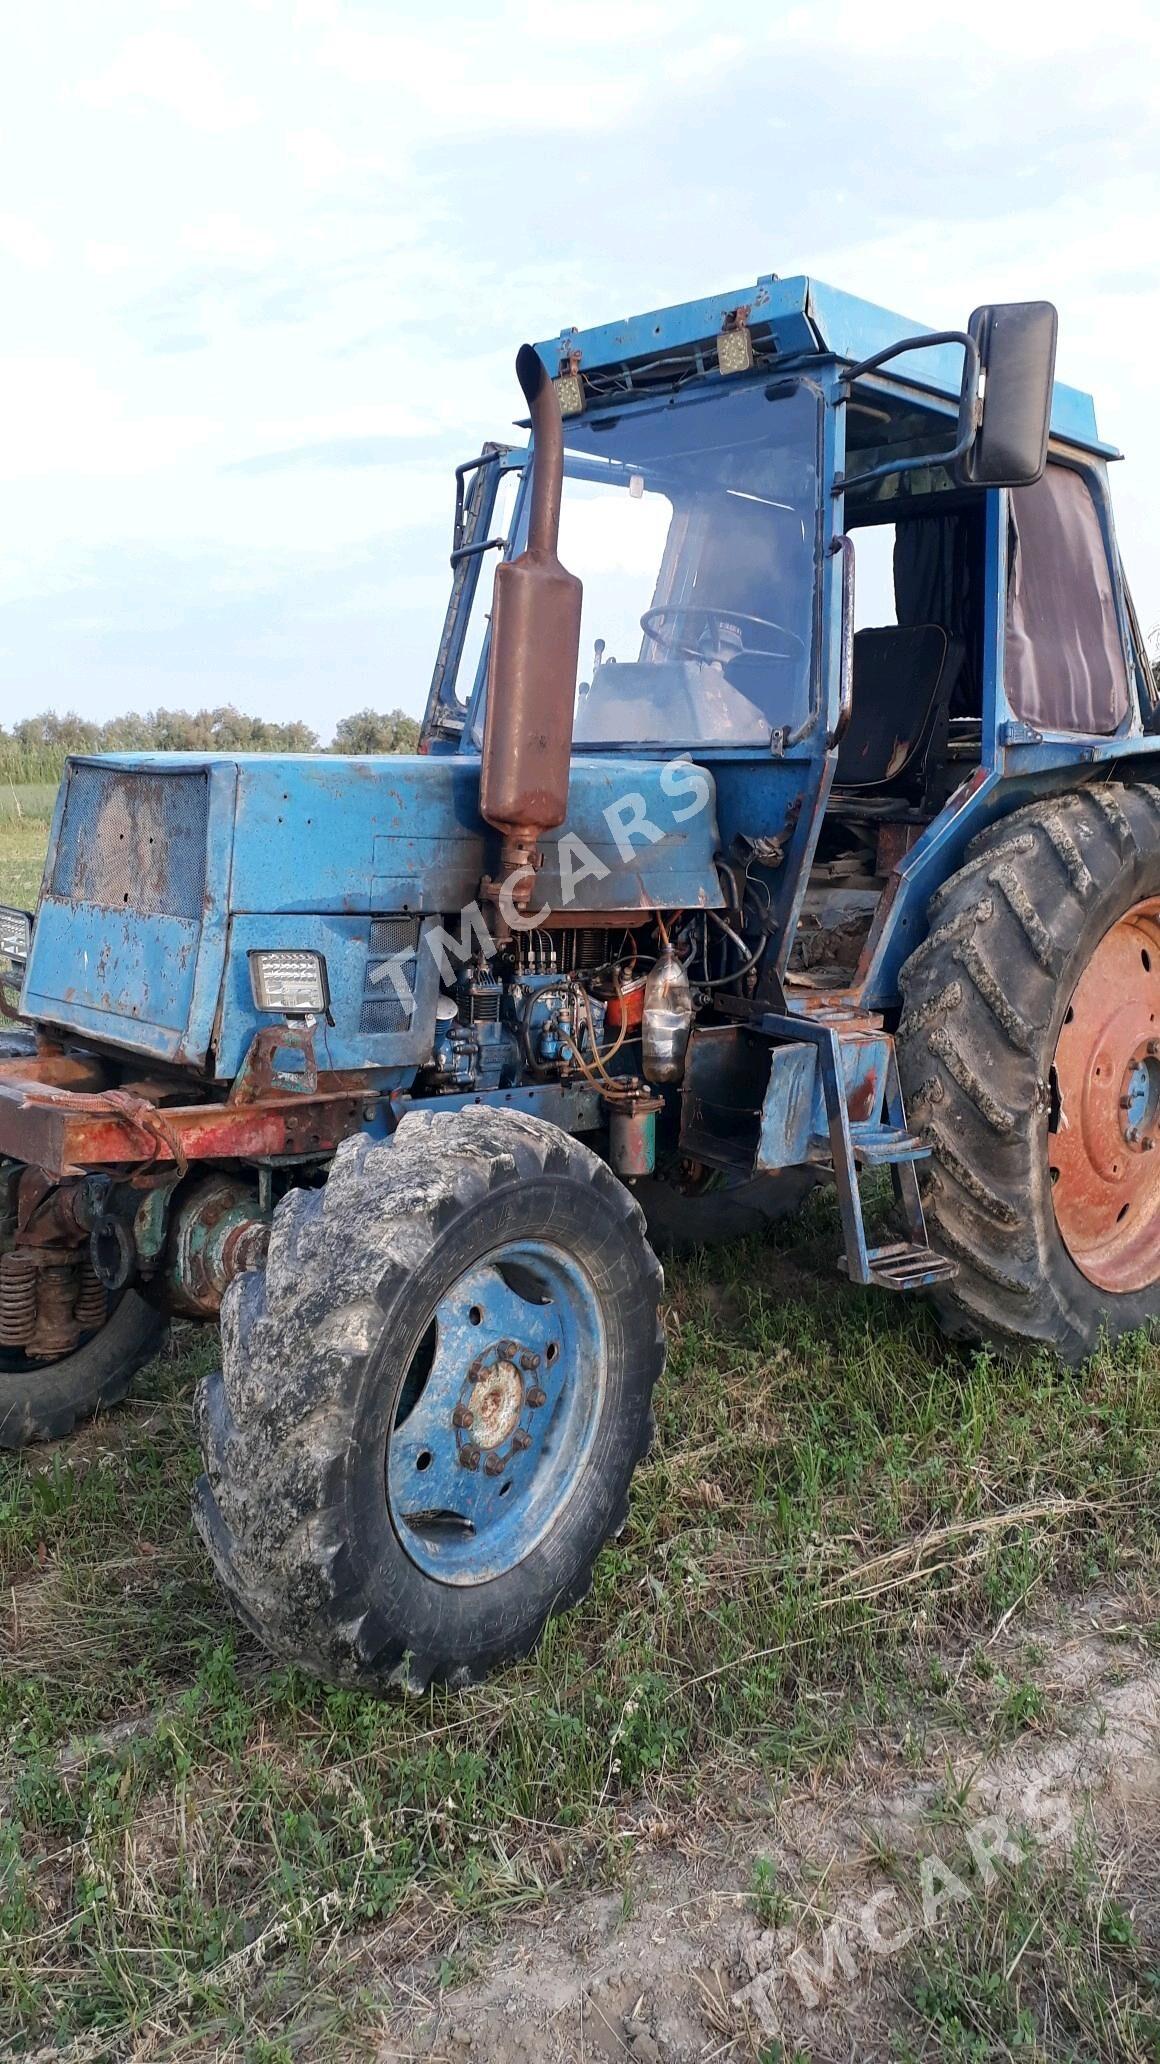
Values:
[(969, 409), (925, 342)]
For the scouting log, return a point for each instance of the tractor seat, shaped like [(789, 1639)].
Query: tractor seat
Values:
[(904, 679)]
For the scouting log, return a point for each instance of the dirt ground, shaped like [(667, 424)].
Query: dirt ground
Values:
[(679, 1968)]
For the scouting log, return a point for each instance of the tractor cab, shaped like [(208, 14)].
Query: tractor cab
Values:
[(806, 563)]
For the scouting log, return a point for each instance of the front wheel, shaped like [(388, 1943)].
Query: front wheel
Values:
[(1029, 1050), (432, 1400)]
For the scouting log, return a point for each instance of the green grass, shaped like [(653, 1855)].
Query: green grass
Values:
[(33, 801), (23, 838), (834, 1496), (1050, 1964)]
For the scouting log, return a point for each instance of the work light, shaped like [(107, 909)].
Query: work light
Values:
[(15, 934), (292, 983)]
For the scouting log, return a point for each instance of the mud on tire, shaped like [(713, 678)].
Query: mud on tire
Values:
[(984, 999), (296, 1426)]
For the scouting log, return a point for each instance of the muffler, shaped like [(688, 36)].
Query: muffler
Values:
[(532, 661)]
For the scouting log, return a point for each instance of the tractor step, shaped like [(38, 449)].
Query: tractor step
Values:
[(849, 1058), (884, 1146), (903, 1267)]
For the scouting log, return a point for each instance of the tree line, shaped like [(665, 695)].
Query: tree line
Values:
[(35, 749)]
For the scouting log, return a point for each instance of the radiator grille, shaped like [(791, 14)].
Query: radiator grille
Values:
[(134, 841), (392, 963)]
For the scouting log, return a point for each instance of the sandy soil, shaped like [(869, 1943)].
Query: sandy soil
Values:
[(680, 1967)]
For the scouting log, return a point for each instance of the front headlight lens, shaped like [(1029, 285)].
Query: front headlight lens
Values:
[(15, 934), (292, 982)]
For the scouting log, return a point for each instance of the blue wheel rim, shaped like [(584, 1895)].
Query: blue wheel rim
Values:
[(497, 1412)]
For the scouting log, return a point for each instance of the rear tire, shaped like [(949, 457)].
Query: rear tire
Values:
[(376, 1288), (44, 1400), (985, 999)]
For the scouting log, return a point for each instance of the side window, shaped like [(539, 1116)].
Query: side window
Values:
[(1065, 666), (874, 603), (480, 617)]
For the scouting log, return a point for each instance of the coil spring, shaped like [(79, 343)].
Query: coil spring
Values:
[(17, 1300), (92, 1304)]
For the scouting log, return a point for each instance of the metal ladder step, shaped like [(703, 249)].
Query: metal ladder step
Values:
[(883, 1146), (883, 1140), (904, 1267)]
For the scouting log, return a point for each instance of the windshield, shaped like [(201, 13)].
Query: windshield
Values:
[(692, 526)]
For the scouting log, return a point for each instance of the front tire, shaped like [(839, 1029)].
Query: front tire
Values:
[(479, 1282), (1023, 1049)]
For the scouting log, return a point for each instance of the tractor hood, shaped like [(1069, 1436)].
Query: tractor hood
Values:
[(165, 870)]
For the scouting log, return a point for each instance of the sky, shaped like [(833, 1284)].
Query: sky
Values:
[(264, 266)]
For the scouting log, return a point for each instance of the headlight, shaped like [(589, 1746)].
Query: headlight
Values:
[(15, 934), (294, 983)]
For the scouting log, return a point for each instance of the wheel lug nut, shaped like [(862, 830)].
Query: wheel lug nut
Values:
[(469, 1457), (521, 1440), (529, 1361), (508, 1349), (494, 1466), (462, 1418), (536, 1396)]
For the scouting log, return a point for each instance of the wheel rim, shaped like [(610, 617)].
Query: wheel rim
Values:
[(496, 1413), (1105, 1124)]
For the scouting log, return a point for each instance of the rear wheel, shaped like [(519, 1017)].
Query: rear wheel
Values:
[(432, 1400), (1029, 1050), (42, 1400)]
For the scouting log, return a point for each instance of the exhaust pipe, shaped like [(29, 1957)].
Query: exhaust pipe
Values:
[(533, 655)]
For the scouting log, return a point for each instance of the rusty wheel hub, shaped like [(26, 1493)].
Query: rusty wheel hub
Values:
[(496, 1397), (1105, 1121)]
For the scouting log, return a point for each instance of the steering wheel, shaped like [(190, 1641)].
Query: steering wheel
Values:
[(652, 620)]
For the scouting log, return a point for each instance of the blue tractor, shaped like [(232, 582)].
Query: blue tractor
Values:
[(806, 826)]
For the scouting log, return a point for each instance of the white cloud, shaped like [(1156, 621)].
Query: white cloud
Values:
[(227, 237), (168, 70), (321, 159), (374, 419), (56, 416), (106, 259), (22, 240), (309, 234)]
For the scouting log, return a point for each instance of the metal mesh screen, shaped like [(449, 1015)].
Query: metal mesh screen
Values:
[(393, 962), (134, 841), (384, 1014)]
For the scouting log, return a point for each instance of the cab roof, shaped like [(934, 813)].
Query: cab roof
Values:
[(787, 319)]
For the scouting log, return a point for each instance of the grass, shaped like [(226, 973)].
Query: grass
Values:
[(1051, 1964), (192, 1838), (196, 1848), (24, 818)]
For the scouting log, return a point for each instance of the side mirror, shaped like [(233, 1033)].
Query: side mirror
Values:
[(1008, 400)]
